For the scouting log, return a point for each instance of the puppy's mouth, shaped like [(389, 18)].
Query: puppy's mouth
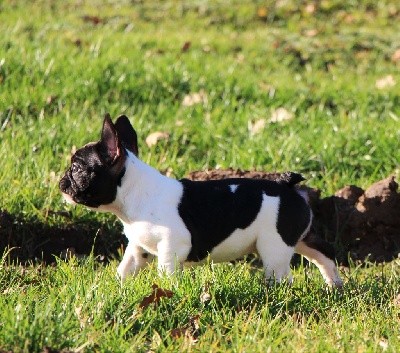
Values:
[(68, 199), (65, 185)]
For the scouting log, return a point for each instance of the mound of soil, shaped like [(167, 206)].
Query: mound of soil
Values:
[(362, 224)]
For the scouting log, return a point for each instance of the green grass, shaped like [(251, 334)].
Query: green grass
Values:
[(77, 305), (60, 73)]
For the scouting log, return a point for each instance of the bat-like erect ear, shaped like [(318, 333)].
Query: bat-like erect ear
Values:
[(127, 134), (109, 143)]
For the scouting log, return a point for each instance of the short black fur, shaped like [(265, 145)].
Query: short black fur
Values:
[(89, 181), (97, 169), (127, 134), (211, 211)]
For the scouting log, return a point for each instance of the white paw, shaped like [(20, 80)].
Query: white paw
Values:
[(122, 271)]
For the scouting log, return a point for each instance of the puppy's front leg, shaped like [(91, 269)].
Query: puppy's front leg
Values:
[(171, 256), (134, 259)]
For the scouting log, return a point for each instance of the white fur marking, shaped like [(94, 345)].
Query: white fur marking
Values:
[(274, 252), (233, 187)]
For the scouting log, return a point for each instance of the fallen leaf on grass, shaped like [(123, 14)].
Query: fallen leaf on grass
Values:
[(311, 32), (262, 13), (205, 295), (186, 46), (396, 300), (396, 56), (51, 99), (194, 98), (155, 137), (256, 127), (206, 49), (155, 296), (190, 330), (280, 114), (92, 19), (385, 82), (383, 343), (78, 42), (310, 8)]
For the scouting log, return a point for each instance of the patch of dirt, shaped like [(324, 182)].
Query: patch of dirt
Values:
[(361, 224)]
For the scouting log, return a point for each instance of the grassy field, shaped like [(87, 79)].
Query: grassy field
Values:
[(212, 74)]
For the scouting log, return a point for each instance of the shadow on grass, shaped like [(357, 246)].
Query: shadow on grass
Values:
[(32, 240)]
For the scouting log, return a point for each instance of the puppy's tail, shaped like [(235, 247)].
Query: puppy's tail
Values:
[(290, 178)]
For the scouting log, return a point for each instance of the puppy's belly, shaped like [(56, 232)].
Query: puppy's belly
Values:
[(241, 242)]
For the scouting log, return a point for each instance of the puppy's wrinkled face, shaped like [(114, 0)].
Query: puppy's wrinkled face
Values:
[(90, 180), (97, 169)]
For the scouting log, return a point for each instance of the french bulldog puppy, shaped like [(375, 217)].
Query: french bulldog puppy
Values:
[(186, 221)]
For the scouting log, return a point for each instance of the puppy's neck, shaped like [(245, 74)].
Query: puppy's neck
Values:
[(141, 185)]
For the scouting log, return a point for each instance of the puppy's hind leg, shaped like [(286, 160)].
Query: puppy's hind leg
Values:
[(276, 256), (322, 254)]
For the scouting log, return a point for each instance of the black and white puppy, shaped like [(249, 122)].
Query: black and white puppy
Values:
[(187, 221)]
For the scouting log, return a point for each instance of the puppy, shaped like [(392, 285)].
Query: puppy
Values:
[(186, 221)]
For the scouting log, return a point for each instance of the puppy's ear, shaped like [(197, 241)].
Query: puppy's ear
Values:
[(127, 134), (109, 143)]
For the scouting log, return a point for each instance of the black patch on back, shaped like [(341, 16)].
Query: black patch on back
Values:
[(211, 211)]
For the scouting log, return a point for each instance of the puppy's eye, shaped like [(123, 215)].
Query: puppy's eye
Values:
[(75, 168)]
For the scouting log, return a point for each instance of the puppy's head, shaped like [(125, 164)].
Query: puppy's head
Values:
[(97, 168)]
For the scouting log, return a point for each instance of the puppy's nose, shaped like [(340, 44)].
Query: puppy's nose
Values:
[(64, 184)]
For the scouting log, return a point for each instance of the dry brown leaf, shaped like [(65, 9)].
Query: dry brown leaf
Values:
[(396, 300), (77, 42), (240, 57), (310, 8), (92, 19), (156, 340), (51, 99), (256, 127), (190, 331), (311, 32), (383, 343), (155, 296), (155, 137), (396, 56), (262, 13), (194, 98), (205, 295), (349, 18), (385, 82), (206, 49), (186, 46), (280, 114)]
